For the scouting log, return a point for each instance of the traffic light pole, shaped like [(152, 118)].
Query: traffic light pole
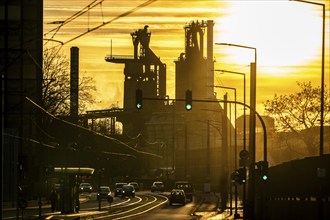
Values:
[(252, 162), (224, 101)]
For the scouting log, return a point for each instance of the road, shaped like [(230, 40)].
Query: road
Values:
[(145, 205)]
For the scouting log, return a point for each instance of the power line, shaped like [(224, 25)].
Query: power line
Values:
[(101, 25), (74, 16)]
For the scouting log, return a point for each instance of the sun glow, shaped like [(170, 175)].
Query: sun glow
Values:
[(284, 33)]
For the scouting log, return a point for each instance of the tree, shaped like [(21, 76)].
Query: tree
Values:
[(56, 84), (299, 113)]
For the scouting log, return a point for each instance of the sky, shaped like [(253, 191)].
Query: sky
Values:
[(287, 36)]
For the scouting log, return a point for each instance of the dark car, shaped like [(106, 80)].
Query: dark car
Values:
[(127, 190), (104, 192), (158, 186), (136, 186), (187, 188), (118, 187), (85, 187), (177, 196)]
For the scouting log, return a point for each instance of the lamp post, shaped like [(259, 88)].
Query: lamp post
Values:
[(320, 205), (249, 210), (235, 148), (244, 101), (322, 72), (235, 154)]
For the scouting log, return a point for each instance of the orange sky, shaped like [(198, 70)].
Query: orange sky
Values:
[(287, 36)]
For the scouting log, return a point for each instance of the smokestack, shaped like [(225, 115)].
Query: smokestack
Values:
[(74, 81)]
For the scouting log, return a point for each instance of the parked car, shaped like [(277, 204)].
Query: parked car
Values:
[(118, 187), (127, 190), (85, 187), (187, 188), (158, 186), (104, 192), (177, 196), (136, 186)]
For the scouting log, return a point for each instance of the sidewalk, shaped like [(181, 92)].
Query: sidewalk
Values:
[(34, 204), (208, 208)]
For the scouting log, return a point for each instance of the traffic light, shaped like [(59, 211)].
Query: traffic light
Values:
[(138, 99), (242, 175), (262, 169), (239, 176), (235, 176), (188, 100)]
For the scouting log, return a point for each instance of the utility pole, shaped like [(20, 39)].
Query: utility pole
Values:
[(251, 180), (224, 170)]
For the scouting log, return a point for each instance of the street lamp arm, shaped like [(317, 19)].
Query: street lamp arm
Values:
[(236, 45), (313, 3), (228, 71), (225, 87)]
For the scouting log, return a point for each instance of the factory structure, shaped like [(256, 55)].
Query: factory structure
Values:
[(193, 144)]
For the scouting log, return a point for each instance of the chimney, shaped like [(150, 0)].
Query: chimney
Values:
[(74, 82)]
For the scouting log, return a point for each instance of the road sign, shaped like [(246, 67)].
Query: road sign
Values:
[(244, 154)]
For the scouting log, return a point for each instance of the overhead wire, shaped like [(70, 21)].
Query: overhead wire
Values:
[(101, 135), (71, 18), (75, 15), (104, 22)]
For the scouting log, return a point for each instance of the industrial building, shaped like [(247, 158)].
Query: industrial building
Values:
[(194, 143)]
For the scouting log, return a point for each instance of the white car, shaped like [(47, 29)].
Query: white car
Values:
[(158, 186), (85, 187)]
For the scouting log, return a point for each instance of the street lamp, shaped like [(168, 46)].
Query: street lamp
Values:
[(235, 150), (322, 72), (244, 94), (252, 132), (253, 69), (235, 154)]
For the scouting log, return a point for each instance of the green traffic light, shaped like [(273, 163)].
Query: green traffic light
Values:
[(188, 100), (138, 99), (265, 177)]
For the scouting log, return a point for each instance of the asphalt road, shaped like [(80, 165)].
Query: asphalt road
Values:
[(145, 205)]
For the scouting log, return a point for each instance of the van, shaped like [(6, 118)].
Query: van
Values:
[(187, 188)]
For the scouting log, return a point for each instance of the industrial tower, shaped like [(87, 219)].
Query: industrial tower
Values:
[(145, 71)]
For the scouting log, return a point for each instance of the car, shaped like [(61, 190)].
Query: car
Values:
[(158, 186), (118, 187), (85, 187), (104, 192), (136, 186), (186, 187), (127, 190), (177, 196)]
